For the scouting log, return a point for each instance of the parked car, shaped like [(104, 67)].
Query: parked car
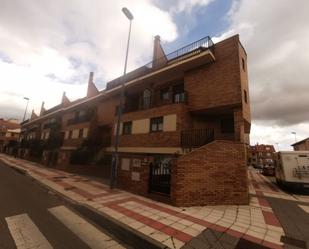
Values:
[(292, 169), (268, 170)]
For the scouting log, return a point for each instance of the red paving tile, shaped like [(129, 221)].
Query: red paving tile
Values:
[(271, 219), (258, 192), (218, 228), (157, 225), (183, 236), (234, 233), (169, 230), (263, 202)]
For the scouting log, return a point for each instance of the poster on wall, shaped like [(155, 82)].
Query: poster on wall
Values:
[(125, 164)]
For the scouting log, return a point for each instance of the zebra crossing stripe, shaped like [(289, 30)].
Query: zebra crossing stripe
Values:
[(87, 232), (25, 233)]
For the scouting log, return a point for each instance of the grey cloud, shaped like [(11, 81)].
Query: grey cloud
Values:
[(276, 37)]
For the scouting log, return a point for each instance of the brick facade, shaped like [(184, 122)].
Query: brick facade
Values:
[(199, 96), (214, 174)]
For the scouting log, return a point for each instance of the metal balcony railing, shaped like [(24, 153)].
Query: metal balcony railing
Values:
[(194, 138), (81, 119), (193, 48), (150, 102)]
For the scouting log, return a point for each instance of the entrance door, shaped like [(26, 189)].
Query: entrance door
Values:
[(160, 176)]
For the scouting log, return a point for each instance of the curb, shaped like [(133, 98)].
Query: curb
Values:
[(122, 232)]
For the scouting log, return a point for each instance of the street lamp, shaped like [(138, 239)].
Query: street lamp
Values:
[(294, 135), (277, 146), (26, 108), (115, 159)]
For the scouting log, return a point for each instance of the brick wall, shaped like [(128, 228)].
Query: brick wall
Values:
[(214, 174), (216, 84), (129, 182)]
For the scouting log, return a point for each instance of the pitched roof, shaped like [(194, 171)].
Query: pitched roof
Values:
[(300, 142)]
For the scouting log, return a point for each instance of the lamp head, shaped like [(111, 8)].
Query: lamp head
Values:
[(127, 13)]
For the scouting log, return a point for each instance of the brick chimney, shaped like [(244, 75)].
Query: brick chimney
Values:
[(65, 101), (33, 115), (92, 89), (159, 58), (42, 109)]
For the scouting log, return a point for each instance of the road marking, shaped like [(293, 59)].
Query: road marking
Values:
[(305, 208), (25, 233), (87, 232)]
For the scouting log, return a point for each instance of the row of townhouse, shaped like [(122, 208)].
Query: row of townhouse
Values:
[(185, 124)]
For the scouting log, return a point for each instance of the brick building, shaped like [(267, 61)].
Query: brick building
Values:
[(183, 131), (9, 134), (301, 145), (260, 155)]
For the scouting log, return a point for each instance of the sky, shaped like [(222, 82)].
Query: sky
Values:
[(48, 47)]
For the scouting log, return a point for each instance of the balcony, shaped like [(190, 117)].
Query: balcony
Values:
[(150, 102), (80, 119), (50, 125), (181, 54), (194, 138)]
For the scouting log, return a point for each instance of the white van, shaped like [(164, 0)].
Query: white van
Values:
[(292, 168)]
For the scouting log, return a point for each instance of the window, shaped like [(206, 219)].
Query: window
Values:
[(165, 94), (146, 98), (156, 124), (243, 64), (227, 125), (245, 96), (80, 133), (127, 128), (179, 93)]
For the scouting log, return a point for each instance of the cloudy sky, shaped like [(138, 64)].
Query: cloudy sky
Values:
[(47, 47)]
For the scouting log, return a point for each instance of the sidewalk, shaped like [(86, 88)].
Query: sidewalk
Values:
[(172, 226)]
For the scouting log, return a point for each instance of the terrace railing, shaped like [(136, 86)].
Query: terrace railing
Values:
[(194, 138), (189, 50)]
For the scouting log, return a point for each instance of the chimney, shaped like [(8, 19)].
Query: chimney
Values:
[(65, 101), (33, 115), (159, 58), (90, 78), (91, 90), (42, 109)]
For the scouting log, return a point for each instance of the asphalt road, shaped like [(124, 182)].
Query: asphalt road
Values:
[(29, 207)]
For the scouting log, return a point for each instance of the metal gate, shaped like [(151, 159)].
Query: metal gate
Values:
[(160, 178)]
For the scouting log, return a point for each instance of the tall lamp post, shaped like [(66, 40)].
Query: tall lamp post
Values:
[(277, 146), (294, 135), (26, 108), (115, 159)]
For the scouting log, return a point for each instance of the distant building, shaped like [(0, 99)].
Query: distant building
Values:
[(260, 155), (9, 133), (301, 145)]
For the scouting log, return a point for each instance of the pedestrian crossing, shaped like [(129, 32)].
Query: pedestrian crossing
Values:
[(27, 235)]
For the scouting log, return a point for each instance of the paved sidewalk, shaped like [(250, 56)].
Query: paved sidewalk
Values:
[(173, 226)]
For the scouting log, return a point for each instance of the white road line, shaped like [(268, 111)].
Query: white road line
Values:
[(25, 233), (305, 208), (87, 232)]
